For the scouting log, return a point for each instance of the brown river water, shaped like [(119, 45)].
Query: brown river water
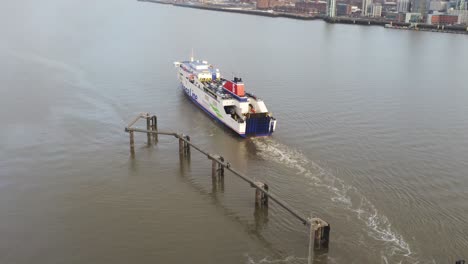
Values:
[(371, 136)]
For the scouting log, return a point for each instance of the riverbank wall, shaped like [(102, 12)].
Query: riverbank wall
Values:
[(338, 20)]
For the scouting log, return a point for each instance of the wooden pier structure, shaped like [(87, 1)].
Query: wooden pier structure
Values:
[(318, 228)]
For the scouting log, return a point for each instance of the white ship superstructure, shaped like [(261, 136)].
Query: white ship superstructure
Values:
[(225, 100)]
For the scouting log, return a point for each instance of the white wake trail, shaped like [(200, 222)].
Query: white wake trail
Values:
[(379, 226)]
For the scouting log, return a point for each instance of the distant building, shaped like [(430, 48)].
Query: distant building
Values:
[(366, 7), (275, 3), (331, 8), (413, 17), (462, 15), (442, 19), (395, 16), (389, 7), (403, 6), (343, 9), (461, 5), (438, 5), (312, 7), (419, 6), (263, 4), (376, 10), (289, 8)]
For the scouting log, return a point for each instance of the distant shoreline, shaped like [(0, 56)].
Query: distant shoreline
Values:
[(340, 20), (241, 11)]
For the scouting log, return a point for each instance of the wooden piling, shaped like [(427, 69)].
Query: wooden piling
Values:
[(258, 198), (319, 229), (187, 146), (217, 183), (148, 127), (217, 173), (221, 167), (260, 216), (132, 144), (214, 169), (265, 197), (261, 199), (181, 145), (321, 234), (155, 127)]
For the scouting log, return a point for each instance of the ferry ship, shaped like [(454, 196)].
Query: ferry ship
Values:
[(225, 100)]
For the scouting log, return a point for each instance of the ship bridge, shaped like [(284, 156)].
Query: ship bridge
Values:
[(203, 70)]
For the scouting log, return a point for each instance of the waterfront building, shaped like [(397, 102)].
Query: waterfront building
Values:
[(462, 15), (438, 5), (419, 6), (331, 8), (343, 9), (312, 7), (442, 19), (429, 16), (365, 7), (376, 10), (263, 4), (403, 6), (274, 3), (413, 17), (389, 7), (395, 16), (461, 5)]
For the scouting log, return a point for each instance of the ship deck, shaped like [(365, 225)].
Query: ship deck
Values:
[(216, 90)]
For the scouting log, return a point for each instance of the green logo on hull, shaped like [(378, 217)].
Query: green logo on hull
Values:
[(216, 111)]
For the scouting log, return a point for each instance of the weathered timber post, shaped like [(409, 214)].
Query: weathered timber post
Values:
[(259, 196), (261, 199), (214, 168), (221, 174), (214, 175), (187, 146), (148, 127), (320, 230), (217, 172), (132, 144), (265, 197), (155, 127), (181, 144), (221, 167), (260, 216)]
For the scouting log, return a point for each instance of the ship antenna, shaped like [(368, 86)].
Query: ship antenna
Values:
[(191, 58)]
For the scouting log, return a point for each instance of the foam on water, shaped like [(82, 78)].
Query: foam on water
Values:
[(379, 227), (288, 259)]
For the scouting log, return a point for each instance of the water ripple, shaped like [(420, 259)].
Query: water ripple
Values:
[(347, 196)]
